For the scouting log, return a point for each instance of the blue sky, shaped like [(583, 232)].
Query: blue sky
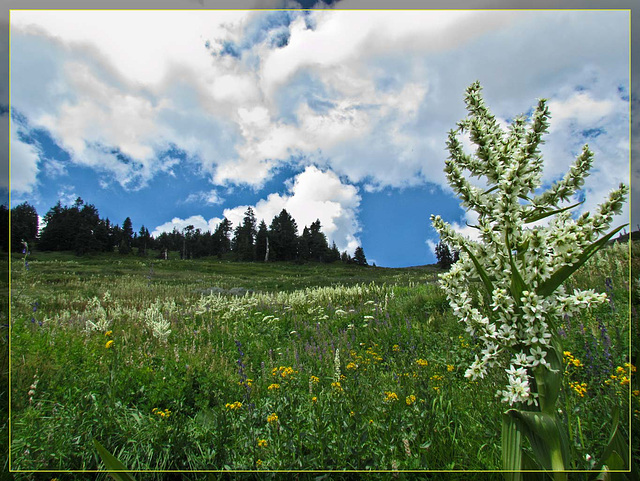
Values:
[(188, 116)]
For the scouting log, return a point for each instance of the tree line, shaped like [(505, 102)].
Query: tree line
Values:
[(80, 229)]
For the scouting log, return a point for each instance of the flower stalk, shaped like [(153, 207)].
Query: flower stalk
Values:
[(520, 267)]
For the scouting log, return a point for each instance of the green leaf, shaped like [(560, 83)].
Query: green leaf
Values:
[(483, 275), (543, 434), (541, 215), (112, 464), (511, 448), (517, 283), (549, 381), (562, 274)]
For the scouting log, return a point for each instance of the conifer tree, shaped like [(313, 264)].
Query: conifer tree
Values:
[(283, 237), (24, 225), (221, 241), (359, 257), (126, 237), (244, 238), (261, 241)]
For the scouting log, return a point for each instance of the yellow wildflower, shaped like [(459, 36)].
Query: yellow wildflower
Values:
[(351, 413), (352, 365), (262, 443), (410, 400), (109, 344), (315, 379), (108, 333), (450, 367), (390, 396), (422, 362), (272, 418), (636, 392), (314, 399), (396, 348), (630, 366), (579, 388), (576, 362), (233, 406), (337, 387), (259, 463), (274, 386)]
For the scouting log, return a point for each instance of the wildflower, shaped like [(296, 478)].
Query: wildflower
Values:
[(511, 165), (314, 379), (579, 388), (351, 413), (258, 463), (262, 443), (636, 392), (422, 362), (337, 387), (450, 367), (109, 344), (233, 406), (314, 399), (410, 400), (352, 366), (395, 348), (390, 396), (272, 418), (108, 333), (274, 386)]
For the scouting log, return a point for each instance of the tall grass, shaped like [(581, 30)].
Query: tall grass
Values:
[(363, 367)]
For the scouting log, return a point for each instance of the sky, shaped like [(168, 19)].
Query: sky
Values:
[(175, 118)]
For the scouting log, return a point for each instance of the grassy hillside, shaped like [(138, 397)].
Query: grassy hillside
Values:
[(197, 365)]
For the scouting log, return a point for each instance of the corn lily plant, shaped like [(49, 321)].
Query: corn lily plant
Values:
[(507, 287)]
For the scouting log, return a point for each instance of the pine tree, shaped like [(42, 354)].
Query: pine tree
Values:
[(359, 257), (126, 237), (24, 225), (334, 253), (283, 237), (318, 245), (244, 238), (221, 240), (444, 256), (261, 241)]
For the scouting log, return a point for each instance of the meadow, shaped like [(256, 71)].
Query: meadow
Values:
[(212, 365)]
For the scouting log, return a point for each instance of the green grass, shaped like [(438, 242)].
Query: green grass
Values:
[(381, 322)]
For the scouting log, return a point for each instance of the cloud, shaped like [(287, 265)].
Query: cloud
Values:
[(313, 194), (197, 221), (67, 195), (369, 95), (209, 198), (25, 158)]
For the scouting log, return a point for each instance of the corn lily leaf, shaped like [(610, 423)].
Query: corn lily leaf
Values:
[(112, 464), (481, 272), (541, 215), (511, 448), (543, 431)]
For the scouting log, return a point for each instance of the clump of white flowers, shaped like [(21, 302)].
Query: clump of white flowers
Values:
[(520, 264), (155, 320)]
